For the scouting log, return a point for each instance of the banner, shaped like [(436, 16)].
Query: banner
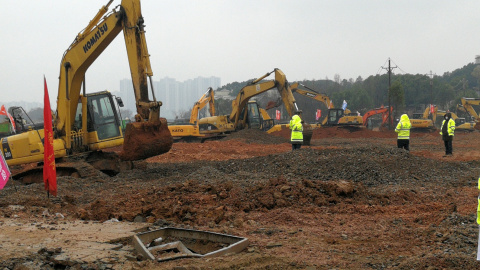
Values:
[(277, 114), (49, 169), (4, 171), (318, 114), (344, 105)]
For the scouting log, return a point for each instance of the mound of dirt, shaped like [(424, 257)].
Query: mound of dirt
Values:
[(342, 203)]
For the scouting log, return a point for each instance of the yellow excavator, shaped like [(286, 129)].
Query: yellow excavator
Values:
[(246, 112), (461, 124), (191, 131), (89, 121), (424, 121), (467, 107), (335, 116), (431, 119)]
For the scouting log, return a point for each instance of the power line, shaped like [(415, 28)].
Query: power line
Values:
[(399, 68), (389, 70)]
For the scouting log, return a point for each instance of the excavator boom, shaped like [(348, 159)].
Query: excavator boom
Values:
[(467, 106), (336, 116), (257, 87), (382, 110), (207, 98)]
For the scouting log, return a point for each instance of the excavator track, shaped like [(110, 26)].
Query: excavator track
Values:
[(96, 164)]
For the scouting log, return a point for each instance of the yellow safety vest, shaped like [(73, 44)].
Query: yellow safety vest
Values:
[(451, 127), (478, 207), (297, 130)]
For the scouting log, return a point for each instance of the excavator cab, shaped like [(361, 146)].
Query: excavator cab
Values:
[(459, 121), (102, 123), (334, 116), (417, 116), (102, 113), (102, 117), (253, 116)]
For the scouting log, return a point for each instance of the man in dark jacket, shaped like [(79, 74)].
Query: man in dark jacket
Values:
[(447, 131)]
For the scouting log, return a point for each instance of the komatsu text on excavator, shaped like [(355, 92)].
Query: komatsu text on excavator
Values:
[(85, 122)]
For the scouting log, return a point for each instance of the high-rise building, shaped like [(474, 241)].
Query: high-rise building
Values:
[(177, 97)]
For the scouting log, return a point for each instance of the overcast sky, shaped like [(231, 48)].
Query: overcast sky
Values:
[(241, 40)]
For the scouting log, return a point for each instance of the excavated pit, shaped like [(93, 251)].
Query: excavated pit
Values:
[(350, 200)]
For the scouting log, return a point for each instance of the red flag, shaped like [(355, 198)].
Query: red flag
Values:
[(3, 111), (318, 114), (49, 170)]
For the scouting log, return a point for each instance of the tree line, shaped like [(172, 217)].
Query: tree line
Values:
[(408, 93)]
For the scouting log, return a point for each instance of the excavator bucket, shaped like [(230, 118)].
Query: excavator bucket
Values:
[(146, 139), (307, 134)]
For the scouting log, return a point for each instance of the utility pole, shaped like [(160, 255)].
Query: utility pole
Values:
[(431, 87), (389, 70)]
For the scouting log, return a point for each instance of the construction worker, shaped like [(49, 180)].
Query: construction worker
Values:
[(447, 131), (403, 130), (297, 132)]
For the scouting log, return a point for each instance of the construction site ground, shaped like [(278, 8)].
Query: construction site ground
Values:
[(350, 200)]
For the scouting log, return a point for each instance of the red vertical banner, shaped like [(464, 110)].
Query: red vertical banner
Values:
[(318, 114), (4, 171), (277, 114), (49, 169), (432, 108)]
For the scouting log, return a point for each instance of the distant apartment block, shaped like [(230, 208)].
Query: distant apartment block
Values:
[(177, 97)]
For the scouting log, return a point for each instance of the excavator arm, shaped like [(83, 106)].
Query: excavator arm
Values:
[(467, 105), (207, 98), (85, 49), (257, 87), (336, 116), (382, 110), (428, 112), (311, 94)]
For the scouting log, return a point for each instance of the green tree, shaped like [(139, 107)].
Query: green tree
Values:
[(476, 73), (397, 97)]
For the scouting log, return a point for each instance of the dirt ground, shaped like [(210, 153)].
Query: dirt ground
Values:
[(350, 200)]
